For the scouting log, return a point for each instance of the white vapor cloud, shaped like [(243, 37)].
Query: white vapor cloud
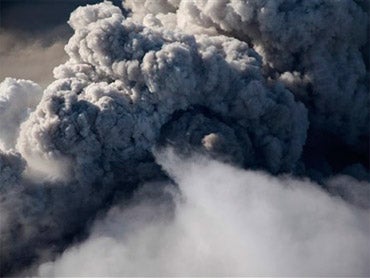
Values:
[(18, 98), (225, 221)]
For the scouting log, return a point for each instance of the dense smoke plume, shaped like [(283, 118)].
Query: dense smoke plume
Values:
[(276, 86)]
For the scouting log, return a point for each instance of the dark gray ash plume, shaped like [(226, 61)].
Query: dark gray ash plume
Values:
[(280, 86)]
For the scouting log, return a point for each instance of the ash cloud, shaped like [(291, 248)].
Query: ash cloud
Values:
[(269, 86), (11, 167), (318, 49), (124, 81)]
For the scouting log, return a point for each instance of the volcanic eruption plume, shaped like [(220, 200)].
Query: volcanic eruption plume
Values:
[(230, 92)]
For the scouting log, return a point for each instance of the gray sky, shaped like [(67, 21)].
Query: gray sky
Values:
[(32, 37)]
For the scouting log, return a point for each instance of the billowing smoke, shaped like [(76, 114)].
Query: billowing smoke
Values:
[(313, 47), (11, 167), (127, 84), (279, 86)]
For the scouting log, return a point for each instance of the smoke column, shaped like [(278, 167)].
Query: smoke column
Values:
[(180, 132)]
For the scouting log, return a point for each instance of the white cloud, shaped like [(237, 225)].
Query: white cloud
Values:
[(226, 221), (18, 98)]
